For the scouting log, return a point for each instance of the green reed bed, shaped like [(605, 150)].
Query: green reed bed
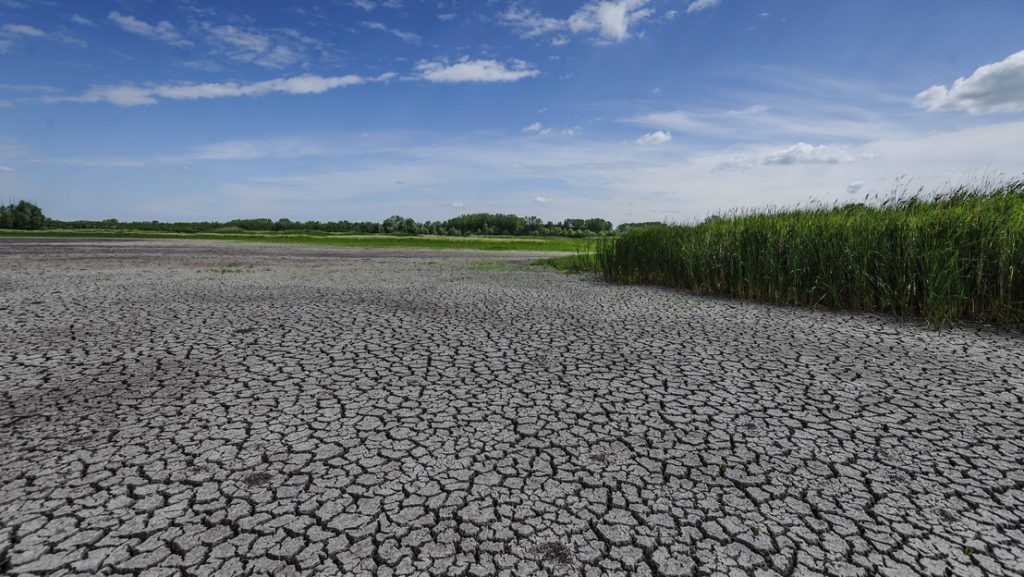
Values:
[(955, 257)]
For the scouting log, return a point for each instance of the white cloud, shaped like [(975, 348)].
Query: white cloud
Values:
[(6, 169), (610, 19), (536, 128), (698, 5), (81, 20), (995, 87), (571, 131), (855, 187), (407, 37), (447, 17), (659, 137), (5, 45), (803, 153), (367, 5), (529, 23), (541, 200), (134, 95), (163, 31), (476, 71), (23, 30)]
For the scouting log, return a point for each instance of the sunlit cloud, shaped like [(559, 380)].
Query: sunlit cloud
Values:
[(997, 87), (611, 20)]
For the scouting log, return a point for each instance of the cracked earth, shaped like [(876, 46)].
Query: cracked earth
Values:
[(200, 409)]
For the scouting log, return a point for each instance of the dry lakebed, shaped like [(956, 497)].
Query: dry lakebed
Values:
[(177, 408)]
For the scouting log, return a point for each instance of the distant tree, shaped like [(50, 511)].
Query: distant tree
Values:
[(23, 216), (597, 225)]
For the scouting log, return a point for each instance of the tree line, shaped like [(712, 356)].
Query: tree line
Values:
[(25, 215)]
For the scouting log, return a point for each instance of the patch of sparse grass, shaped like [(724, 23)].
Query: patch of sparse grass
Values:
[(955, 257)]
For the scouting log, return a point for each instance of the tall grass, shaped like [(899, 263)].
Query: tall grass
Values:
[(958, 256)]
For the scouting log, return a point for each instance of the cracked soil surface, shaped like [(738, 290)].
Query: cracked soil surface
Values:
[(200, 409)]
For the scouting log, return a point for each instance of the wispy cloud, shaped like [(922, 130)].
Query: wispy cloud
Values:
[(675, 120), (529, 23), (997, 87), (252, 46), (22, 30), (11, 32), (407, 37), (758, 122), (476, 71), (698, 5), (81, 20), (134, 95), (162, 31)]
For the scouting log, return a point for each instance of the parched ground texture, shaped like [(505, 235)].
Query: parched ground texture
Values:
[(194, 409)]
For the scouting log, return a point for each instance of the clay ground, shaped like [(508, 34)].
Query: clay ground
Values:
[(181, 409)]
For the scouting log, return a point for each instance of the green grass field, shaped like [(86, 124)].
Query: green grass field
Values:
[(489, 243), (955, 257)]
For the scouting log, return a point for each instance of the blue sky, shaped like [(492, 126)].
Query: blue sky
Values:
[(626, 109)]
